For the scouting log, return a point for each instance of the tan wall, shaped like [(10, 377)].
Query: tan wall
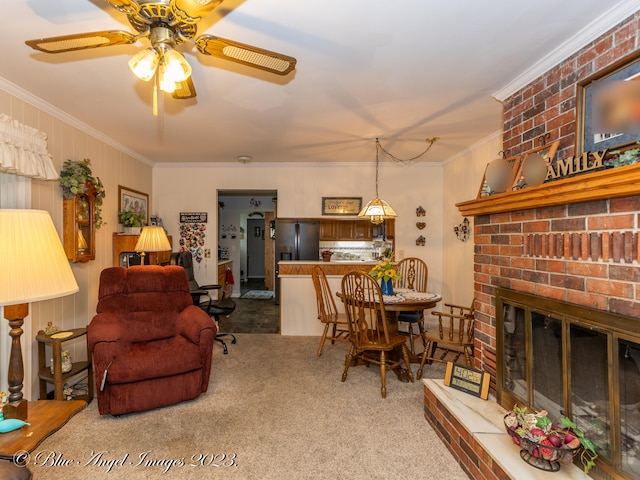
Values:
[(300, 190), (114, 168), (462, 176)]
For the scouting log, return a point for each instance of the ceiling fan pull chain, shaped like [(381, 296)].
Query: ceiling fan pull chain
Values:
[(155, 96)]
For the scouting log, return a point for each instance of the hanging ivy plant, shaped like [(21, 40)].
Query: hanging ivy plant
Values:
[(73, 180)]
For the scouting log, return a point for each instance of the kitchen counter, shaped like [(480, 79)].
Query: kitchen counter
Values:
[(298, 305), (223, 262), (304, 267)]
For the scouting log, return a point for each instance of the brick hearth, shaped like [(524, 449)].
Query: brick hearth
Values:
[(473, 431)]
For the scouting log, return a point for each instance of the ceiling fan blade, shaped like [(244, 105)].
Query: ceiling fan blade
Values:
[(184, 90), (245, 54), (192, 11), (126, 6), (81, 41)]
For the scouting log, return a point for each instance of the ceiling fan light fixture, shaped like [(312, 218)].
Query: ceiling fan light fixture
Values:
[(166, 84), (144, 64), (176, 67)]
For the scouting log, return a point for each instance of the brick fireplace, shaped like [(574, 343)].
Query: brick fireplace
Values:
[(575, 240)]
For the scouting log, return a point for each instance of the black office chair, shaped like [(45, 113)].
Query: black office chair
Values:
[(214, 308)]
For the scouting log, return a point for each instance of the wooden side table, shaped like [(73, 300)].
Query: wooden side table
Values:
[(57, 378), (45, 418)]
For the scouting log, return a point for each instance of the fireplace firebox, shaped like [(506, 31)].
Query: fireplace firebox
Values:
[(577, 362)]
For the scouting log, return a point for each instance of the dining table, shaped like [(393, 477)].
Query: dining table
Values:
[(405, 300)]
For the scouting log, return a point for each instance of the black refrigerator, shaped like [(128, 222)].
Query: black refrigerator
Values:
[(295, 240)]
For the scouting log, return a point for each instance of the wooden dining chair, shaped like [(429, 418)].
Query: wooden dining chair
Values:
[(369, 332), (413, 274), (327, 311), (455, 334)]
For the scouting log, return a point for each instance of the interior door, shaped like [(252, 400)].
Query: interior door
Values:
[(255, 248), (269, 248)]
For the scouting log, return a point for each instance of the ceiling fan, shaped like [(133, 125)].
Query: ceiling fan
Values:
[(168, 23)]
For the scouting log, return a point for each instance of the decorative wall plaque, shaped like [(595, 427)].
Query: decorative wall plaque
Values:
[(193, 217), (341, 205)]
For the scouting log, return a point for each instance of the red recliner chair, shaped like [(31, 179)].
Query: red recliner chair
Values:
[(151, 345)]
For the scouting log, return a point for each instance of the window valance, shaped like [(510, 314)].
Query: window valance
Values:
[(23, 151)]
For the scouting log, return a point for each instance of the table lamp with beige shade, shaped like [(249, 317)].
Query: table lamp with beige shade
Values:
[(34, 268), (152, 239)]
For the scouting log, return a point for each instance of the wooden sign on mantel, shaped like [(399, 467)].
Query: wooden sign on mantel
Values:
[(468, 380), (567, 167)]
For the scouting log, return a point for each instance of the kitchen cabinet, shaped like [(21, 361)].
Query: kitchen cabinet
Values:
[(124, 242), (222, 277), (362, 230), (327, 230), (390, 228), (335, 230), (344, 230)]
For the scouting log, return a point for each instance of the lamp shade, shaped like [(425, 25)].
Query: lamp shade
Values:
[(34, 265), (152, 239), (377, 210)]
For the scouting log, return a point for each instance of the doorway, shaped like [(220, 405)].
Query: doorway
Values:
[(244, 218)]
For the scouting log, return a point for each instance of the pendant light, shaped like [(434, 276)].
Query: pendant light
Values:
[(377, 209)]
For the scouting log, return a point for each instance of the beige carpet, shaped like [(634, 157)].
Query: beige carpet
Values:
[(278, 409)]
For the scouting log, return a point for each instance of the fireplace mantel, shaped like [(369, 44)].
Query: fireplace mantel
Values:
[(604, 184)]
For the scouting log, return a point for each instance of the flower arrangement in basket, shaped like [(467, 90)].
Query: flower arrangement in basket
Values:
[(544, 443)]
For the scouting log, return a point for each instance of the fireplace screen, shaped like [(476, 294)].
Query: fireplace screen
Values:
[(574, 362)]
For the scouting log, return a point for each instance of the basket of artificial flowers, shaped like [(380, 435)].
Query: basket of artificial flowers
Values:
[(544, 443)]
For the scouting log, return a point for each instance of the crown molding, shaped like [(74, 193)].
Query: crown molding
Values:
[(22, 94), (497, 135), (601, 25)]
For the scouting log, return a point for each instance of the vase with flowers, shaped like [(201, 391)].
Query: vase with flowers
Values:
[(326, 255), (386, 272), (544, 443)]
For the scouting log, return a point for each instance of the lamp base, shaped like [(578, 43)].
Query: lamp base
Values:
[(15, 410), (17, 406)]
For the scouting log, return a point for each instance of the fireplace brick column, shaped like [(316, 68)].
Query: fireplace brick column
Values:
[(584, 253)]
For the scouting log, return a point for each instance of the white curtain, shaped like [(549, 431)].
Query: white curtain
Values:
[(23, 151)]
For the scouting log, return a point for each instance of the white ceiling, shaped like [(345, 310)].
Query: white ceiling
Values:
[(401, 71)]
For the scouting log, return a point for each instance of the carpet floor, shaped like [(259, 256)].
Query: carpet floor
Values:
[(273, 411)]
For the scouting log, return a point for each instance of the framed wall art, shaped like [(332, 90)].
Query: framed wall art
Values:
[(341, 205), (129, 199), (546, 151), (603, 99), (485, 187)]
